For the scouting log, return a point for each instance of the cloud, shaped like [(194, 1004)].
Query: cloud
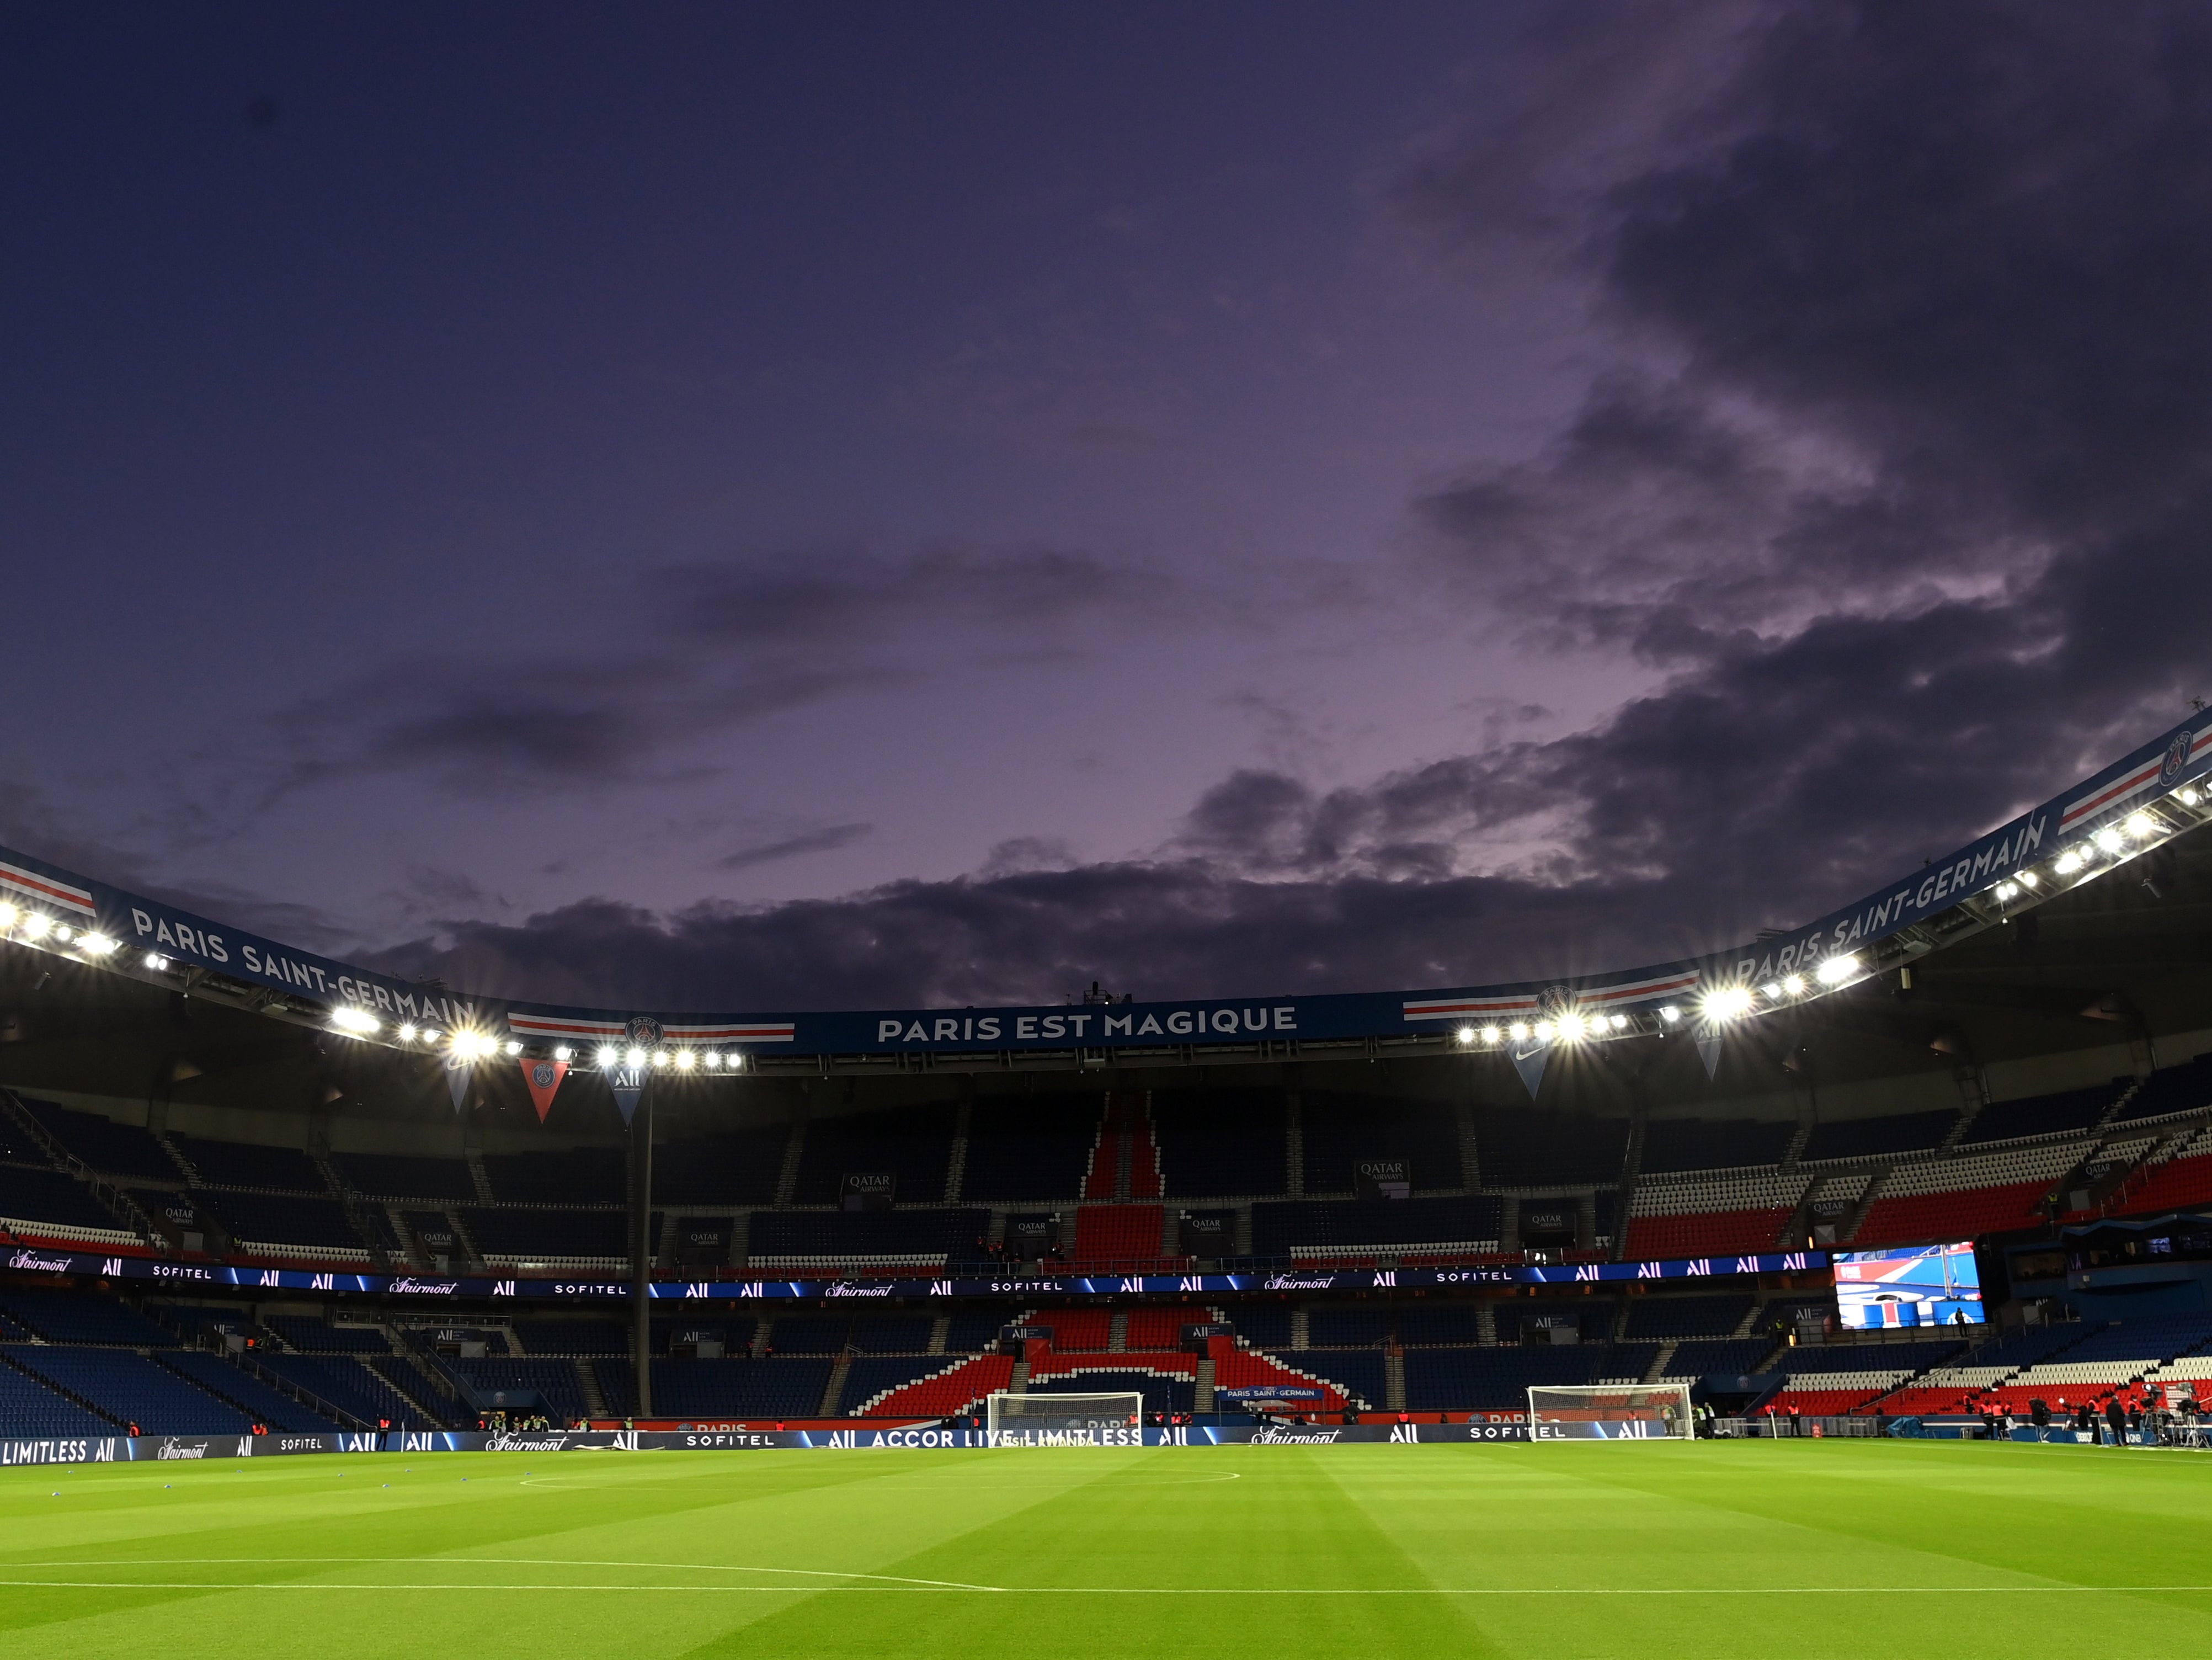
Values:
[(1890, 469), (825, 839)]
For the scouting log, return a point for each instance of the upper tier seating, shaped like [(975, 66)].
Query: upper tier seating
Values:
[(1352, 1327), (912, 1144), (740, 1168), (575, 1175), (1396, 1225), (555, 1381), (877, 1235), (250, 1164), (1340, 1131), (1030, 1147), (116, 1148), (1708, 1233), (1706, 1357), (1878, 1138), (312, 1336), (2038, 1115), (1110, 1234), (1527, 1149), (286, 1219), (1427, 1324), (1689, 1144), (28, 1197), (1217, 1143), (404, 1176), (1499, 1379), (545, 1236), (2171, 1089)]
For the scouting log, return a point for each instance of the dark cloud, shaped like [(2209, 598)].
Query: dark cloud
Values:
[(1892, 476), (824, 839)]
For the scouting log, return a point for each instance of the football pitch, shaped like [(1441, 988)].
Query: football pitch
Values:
[(1756, 1549)]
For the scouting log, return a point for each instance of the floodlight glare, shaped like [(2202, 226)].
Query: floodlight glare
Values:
[(356, 1021), (2188, 798), (1490, 1034), (95, 945), (407, 1034), (660, 1057), (1727, 1002), (713, 1059), (1670, 1014), (685, 1060), (1520, 1030), (62, 933), (1544, 1029), (514, 1048), (1771, 990), (607, 1056), (2140, 824), (2027, 878), (8, 914), (2108, 838), (1795, 984), (2068, 862), (1834, 971), (156, 961), (1570, 1026), (562, 1052), (35, 925), (1618, 1022)]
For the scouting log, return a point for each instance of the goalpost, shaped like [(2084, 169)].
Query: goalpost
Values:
[(1611, 1412), (1066, 1420)]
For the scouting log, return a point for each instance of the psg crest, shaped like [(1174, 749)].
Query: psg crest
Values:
[(544, 1075), (1553, 1001), (644, 1029), (2177, 758)]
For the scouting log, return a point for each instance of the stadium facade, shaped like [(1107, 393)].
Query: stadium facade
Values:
[(1939, 1150)]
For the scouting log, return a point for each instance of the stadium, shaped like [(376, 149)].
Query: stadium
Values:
[(1198, 1310)]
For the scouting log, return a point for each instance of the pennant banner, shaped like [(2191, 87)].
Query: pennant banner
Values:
[(1531, 1067), (628, 1085), (1709, 1051), (544, 1078), (459, 1070)]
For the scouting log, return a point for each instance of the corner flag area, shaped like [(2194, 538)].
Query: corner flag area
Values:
[(1718, 1549)]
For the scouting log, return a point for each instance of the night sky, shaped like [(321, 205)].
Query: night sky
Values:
[(838, 506)]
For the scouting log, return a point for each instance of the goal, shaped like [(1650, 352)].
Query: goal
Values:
[(1611, 1412), (1066, 1420)]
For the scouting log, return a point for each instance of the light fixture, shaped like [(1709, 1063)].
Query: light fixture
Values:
[(62, 933), (607, 1056), (8, 915), (35, 925), (514, 1048), (359, 1022), (1520, 1030), (1834, 971), (2005, 890), (1771, 990), (1727, 1002), (1544, 1029), (635, 1058), (1466, 1036), (95, 945), (2109, 839), (562, 1052), (1490, 1034), (2068, 862), (685, 1060), (429, 1034), (1795, 985), (2188, 796), (156, 961), (713, 1059), (660, 1057), (1670, 1014), (407, 1033), (2140, 825), (1618, 1022), (1572, 1026), (2027, 878)]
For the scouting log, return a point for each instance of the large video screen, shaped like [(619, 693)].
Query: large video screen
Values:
[(1913, 1285)]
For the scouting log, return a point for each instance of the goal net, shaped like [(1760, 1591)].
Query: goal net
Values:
[(1610, 1411), (1066, 1420)]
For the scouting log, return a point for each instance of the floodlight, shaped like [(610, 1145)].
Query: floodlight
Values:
[(660, 1057), (1572, 1026), (1771, 990), (514, 1048), (685, 1060), (2142, 824), (2109, 839), (35, 925), (359, 1022), (1520, 1031), (407, 1034), (2068, 862), (2027, 878), (1465, 1035), (1670, 1014), (64, 933), (1618, 1022), (607, 1057), (1834, 971), (635, 1058), (1490, 1034), (713, 1059), (2188, 797), (8, 914), (1727, 1002), (1794, 985), (156, 961), (562, 1052)]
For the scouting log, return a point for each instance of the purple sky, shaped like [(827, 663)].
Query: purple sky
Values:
[(751, 506)]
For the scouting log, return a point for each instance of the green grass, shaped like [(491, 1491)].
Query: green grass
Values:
[(1755, 1549)]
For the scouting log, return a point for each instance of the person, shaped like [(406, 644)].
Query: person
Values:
[(135, 1430), (2115, 1419)]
